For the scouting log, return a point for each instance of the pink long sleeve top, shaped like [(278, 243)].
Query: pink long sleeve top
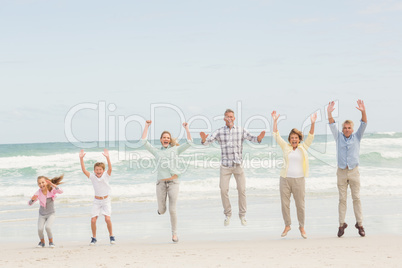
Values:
[(50, 194)]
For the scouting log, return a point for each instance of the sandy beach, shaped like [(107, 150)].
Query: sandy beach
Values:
[(205, 242), (371, 251)]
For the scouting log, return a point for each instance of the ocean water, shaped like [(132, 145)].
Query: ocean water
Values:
[(133, 177)]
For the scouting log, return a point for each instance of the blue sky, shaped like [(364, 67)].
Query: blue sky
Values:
[(199, 56)]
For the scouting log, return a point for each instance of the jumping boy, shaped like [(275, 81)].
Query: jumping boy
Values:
[(101, 204)]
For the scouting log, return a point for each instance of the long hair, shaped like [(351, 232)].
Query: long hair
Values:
[(55, 180), (173, 142)]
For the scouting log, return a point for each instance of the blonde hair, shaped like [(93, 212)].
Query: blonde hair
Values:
[(297, 132), (55, 180), (228, 111), (350, 122), (100, 164), (173, 142)]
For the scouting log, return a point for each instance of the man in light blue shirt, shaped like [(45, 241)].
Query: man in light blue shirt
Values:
[(347, 149)]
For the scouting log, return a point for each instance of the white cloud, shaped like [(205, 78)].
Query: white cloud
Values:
[(388, 6), (368, 27)]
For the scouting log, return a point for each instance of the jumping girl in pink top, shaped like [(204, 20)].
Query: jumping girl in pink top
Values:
[(46, 195)]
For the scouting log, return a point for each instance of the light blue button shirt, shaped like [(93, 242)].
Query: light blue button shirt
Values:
[(348, 149)]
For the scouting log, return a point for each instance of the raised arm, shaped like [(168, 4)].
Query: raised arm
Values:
[(56, 188), (363, 125), (185, 125), (86, 172), (307, 143), (332, 126), (203, 137), (282, 143), (252, 138), (146, 143), (187, 144), (313, 118), (362, 108), (275, 118), (145, 133), (261, 136), (109, 164), (330, 109), (212, 138)]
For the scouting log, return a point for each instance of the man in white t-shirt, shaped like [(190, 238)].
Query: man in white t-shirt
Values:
[(101, 204)]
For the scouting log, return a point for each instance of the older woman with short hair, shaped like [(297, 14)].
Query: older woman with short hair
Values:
[(294, 170)]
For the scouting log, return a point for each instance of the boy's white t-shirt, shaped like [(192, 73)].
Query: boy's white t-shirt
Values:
[(101, 185)]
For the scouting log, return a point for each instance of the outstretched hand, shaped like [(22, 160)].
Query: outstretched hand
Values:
[(331, 107), (185, 125), (82, 154), (203, 136), (106, 153), (360, 105), (313, 117), (261, 136), (148, 122), (275, 116)]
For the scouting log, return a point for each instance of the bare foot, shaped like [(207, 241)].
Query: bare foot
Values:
[(303, 232), (175, 238), (285, 232)]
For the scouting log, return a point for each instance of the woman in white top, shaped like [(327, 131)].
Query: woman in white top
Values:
[(294, 170)]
